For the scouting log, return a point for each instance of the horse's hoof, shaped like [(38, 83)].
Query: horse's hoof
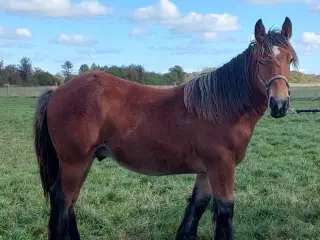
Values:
[(183, 236)]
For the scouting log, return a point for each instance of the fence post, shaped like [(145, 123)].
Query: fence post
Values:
[(7, 90)]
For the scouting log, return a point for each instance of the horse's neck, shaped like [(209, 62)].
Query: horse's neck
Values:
[(259, 104)]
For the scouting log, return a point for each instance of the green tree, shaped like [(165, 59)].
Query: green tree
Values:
[(132, 75), (44, 78), (84, 68), (117, 71), (95, 67), (11, 75), (208, 69), (58, 79), (67, 70), (139, 72), (25, 69), (177, 74), (104, 68), (2, 82)]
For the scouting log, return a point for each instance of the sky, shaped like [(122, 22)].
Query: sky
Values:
[(156, 34)]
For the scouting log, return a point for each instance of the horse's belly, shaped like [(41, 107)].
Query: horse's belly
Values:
[(155, 159)]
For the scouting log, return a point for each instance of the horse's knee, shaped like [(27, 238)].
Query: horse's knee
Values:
[(224, 209)]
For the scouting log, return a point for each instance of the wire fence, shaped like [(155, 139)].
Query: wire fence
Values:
[(13, 91), (297, 92)]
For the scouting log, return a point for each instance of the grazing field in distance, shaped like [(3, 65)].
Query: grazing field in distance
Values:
[(312, 90), (276, 192)]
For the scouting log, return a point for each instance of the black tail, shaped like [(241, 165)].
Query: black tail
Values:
[(46, 154)]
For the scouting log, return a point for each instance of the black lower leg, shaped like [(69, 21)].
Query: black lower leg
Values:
[(73, 229), (58, 222), (223, 214), (198, 203)]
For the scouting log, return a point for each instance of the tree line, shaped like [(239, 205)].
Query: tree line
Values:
[(24, 74)]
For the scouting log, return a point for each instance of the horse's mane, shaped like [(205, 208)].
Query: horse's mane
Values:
[(225, 93)]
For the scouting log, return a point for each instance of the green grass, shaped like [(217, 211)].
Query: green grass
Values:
[(277, 186)]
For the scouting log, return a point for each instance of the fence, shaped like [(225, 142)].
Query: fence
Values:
[(12, 91), (297, 92)]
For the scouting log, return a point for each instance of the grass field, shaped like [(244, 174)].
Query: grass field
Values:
[(277, 186)]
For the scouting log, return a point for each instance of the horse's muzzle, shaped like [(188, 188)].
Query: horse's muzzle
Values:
[(279, 108)]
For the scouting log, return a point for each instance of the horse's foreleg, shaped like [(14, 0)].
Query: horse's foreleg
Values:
[(221, 179), (198, 203)]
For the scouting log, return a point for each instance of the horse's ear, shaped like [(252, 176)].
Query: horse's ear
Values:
[(287, 28), (259, 31)]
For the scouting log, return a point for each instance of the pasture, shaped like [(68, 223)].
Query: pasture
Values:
[(277, 185)]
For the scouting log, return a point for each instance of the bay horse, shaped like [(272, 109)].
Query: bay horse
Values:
[(201, 127)]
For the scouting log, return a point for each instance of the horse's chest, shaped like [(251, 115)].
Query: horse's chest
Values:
[(240, 140)]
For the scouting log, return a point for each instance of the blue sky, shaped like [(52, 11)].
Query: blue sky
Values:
[(155, 33)]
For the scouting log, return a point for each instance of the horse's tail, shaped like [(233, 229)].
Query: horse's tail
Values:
[(46, 154)]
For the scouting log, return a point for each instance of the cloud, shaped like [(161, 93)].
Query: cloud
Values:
[(74, 40), (311, 40), (209, 36), (55, 8), (207, 23), (97, 51), (167, 14), (281, 1), (206, 37), (18, 33), (315, 4), (161, 11), (24, 32), (302, 70), (188, 50), (273, 1), (138, 32)]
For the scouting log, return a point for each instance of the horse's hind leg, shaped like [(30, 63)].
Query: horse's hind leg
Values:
[(62, 223), (198, 203), (59, 218), (73, 228)]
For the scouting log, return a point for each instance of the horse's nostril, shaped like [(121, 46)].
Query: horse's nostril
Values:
[(273, 103)]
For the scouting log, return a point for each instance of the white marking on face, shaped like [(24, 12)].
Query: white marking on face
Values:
[(276, 50)]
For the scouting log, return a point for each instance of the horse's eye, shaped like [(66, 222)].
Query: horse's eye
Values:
[(263, 61)]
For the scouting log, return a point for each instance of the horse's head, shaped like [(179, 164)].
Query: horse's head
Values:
[(273, 57)]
